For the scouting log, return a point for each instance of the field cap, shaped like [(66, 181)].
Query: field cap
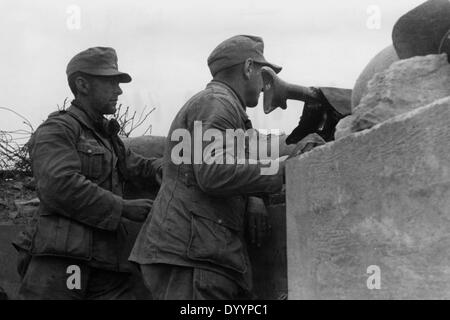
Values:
[(97, 61), (236, 50)]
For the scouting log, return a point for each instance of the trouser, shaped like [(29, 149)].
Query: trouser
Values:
[(53, 278), (3, 295), (171, 282)]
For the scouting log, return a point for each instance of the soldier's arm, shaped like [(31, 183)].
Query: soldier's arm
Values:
[(231, 177), (61, 186), (142, 167)]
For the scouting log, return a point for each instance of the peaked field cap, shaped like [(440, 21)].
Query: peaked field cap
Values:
[(421, 31), (97, 61), (236, 50)]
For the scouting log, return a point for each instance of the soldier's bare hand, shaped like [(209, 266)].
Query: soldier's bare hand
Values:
[(137, 210)]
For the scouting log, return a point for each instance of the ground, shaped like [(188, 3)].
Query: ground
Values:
[(16, 191)]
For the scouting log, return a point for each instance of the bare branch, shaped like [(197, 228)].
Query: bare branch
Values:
[(14, 153), (129, 121)]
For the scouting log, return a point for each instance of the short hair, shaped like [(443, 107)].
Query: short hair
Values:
[(71, 80)]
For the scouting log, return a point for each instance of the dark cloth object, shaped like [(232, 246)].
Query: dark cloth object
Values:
[(197, 219), (46, 279), (97, 61), (112, 129), (334, 104), (312, 116), (236, 50), (338, 98), (3, 295), (421, 31), (23, 261), (22, 243), (80, 191), (169, 282)]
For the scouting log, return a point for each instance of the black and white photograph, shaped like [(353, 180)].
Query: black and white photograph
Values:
[(247, 152)]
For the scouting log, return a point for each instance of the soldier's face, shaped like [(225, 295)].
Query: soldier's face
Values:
[(104, 94), (255, 86)]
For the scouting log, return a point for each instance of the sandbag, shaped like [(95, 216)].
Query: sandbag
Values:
[(404, 86), (383, 60)]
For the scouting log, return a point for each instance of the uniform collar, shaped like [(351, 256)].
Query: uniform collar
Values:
[(241, 103), (91, 120), (95, 126)]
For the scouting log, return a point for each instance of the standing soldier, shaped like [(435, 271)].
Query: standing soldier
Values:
[(79, 164), (192, 246)]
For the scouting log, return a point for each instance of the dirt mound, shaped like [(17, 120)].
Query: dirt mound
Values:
[(18, 199)]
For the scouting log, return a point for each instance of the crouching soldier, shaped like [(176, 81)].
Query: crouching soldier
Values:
[(79, 248)]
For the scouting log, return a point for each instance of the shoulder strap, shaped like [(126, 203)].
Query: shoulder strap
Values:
[(78, 122)]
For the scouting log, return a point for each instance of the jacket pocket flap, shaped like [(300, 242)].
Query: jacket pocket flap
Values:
[(212, 242), (55, 235), (90, 149), (216, 214)]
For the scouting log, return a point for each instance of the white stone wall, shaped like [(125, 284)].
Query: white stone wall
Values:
[(378, 197)]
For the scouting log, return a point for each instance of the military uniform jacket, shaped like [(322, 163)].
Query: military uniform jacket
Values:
[(198, 216), (80, 191)]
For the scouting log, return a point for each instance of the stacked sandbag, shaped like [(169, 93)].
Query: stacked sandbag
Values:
[(403, 87), (383, 60)]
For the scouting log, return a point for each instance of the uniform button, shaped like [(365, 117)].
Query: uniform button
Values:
[(89, 151), (219, 221)]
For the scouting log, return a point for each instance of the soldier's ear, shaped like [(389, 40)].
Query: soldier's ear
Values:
[(83, 85), (248, 68)]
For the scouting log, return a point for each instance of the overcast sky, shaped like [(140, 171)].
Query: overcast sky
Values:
[(164, 46)]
